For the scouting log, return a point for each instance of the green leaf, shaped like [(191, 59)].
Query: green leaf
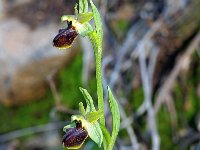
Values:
[(72, 125), (98, 24), (85, 17), (88, 99), (83, 6), (115, 118), (94, 116), (82, 109)]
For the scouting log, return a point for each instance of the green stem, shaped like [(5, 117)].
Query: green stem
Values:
[(98, 57), (97, 46)]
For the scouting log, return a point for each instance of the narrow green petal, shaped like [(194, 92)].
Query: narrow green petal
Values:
[(82, 109), (72, 125), (94, 116)]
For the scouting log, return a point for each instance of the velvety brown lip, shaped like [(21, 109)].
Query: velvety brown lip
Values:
[(75, 137), (65, 37)]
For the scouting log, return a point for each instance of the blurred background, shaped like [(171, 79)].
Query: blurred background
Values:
[(151, 61)]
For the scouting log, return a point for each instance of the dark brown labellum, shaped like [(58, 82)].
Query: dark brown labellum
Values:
[(65, 37), (75, 137)]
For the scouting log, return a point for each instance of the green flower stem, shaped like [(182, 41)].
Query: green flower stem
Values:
[(98, 57), (97, 46)]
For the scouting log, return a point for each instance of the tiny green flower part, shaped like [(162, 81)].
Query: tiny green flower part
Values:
[(75, 137)]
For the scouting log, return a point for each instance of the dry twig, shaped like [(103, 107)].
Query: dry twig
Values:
[(181, 64), (31, 130)]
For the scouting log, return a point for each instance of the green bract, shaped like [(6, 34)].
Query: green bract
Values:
[(115, 118)]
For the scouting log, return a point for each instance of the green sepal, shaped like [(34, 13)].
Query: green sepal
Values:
[(94, 116), (95, 133), (84, 29), (82, 109), (115, 118), (72, 125), (85, 17)]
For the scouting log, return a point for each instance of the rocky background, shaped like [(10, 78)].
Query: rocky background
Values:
[(27, 56)]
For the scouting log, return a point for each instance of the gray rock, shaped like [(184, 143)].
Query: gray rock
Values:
[(27, 57)]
